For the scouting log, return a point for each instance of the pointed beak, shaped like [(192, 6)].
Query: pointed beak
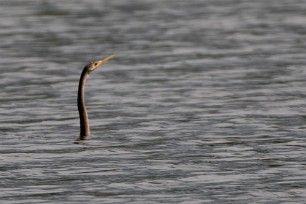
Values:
[(99, 63)]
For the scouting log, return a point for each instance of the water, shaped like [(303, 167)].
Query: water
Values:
[(204, 101)]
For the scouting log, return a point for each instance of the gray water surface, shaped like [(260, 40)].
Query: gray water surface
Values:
[(204, 101)]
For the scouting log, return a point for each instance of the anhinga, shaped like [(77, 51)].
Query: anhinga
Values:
[(84, 123)]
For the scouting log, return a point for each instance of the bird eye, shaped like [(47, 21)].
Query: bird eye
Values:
[(96, 64)]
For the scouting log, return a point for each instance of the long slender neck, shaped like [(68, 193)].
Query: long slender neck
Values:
[(84, 122)]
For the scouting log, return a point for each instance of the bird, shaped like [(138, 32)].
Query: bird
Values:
[(84, 122)]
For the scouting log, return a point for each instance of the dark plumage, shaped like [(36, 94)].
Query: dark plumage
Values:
[(84, 122)]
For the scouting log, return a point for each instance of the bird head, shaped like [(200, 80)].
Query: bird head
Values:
[(94, 65)]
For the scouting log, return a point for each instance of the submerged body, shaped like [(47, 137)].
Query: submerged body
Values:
[(84, 122)]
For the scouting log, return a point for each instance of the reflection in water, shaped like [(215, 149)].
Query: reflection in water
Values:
[(202, 104)]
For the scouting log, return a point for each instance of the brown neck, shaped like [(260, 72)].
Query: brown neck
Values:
[(84, 122)]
